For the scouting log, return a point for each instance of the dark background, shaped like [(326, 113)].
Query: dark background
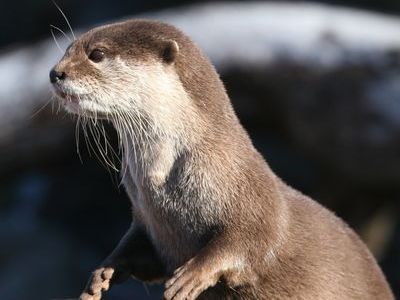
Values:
[(59, 218), (27, 20)]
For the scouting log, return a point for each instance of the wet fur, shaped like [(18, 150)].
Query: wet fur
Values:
[(202, 196)]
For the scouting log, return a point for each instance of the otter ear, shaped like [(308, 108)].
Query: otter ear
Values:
[(170, 51)]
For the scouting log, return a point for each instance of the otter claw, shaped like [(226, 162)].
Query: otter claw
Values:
[(98, 283), (188, 282)]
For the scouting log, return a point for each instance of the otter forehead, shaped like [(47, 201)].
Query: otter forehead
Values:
[(140, 40)]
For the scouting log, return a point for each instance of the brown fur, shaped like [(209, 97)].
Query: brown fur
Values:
[(217, 222)]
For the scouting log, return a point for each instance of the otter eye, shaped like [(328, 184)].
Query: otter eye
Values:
[(96, 55)]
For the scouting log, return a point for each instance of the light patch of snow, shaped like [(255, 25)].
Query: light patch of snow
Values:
[(258, 32)]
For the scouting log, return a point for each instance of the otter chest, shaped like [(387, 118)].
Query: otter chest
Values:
[(169, 220)]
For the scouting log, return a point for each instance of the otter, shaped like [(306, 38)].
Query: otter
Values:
[(209, 216)]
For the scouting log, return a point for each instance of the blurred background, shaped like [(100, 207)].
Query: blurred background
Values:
[(316, 84)]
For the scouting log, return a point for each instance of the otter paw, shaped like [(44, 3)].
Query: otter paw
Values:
[(98, 283), (189, 281)]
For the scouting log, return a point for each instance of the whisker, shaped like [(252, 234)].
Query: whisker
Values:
[(85, 135), (96, 137), (62, 32), (113, 157), (77, 138), (52, 104), (55, 40), (65, 18), (41, 108)]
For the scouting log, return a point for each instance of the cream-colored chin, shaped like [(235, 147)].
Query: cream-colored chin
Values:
[(85, 107), (72, 107)]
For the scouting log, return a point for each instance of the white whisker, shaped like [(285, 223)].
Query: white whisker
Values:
[(61, 31), (41, 108), (66, 19), (55, 40)]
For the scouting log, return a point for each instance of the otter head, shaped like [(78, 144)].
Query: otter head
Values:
[(123, 71)]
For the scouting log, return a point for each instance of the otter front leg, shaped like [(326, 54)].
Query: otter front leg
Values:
[(216, 261), (134, 255)]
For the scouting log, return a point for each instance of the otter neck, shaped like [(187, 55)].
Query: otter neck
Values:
[(148, 161)]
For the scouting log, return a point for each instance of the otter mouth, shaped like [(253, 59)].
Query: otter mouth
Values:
[(70, 101), (79, 104), (68, 97)]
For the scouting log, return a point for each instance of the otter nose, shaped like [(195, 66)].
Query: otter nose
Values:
[(56, 76)]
